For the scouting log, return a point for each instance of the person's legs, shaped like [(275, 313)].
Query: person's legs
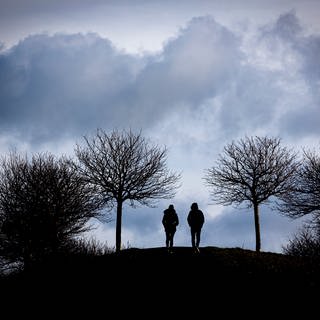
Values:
[(198, 238), (167, 239), (193, 235), (171, 239)]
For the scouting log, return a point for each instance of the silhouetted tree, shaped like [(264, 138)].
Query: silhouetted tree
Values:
[(251, 170), (44, 203), (306, 243), (304, 197), (126, 168)]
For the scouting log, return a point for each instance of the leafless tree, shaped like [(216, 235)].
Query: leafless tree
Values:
[(126, 168), (251, 170), (304, 198), (44, 203), (306, 243)]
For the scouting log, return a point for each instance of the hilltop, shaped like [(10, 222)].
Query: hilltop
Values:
[(219, 267), (229, 281)]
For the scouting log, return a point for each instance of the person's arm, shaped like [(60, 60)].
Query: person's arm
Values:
[(189, 219), (202, 218), (164, 220)]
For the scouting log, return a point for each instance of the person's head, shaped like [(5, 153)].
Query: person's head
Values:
[(194, 206), (171, 207)]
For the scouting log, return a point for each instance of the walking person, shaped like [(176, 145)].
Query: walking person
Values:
[(170, 221), (195, 221)]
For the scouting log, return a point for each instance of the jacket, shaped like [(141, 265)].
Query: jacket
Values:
[(195, 219)]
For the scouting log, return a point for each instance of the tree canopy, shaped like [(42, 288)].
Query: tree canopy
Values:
[(44, 203), (251, 170), (304, 196), (124, 166)]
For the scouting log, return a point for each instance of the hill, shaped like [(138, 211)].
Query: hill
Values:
[(216, 267), (135, 282)]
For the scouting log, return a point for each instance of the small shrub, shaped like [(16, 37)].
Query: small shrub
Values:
[(89, 247), (306, 243)]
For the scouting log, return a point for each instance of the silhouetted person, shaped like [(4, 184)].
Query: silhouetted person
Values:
[(170, 221), (195, 221)]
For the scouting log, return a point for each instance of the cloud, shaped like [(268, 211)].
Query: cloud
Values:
[(287, 27), (53, 86), (87, 82), (295, 53), (235, 228), (208, 86), (203, 72)]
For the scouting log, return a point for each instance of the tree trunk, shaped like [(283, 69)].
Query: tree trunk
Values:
[(257, 226), (118, 226)]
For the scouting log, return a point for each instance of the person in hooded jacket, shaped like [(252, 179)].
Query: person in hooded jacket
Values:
[(170, 221), (195, 221)]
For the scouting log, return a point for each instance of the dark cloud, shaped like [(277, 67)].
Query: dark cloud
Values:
[(196, 65), (287, 27), (62, 84), (300, 56), (85, 81)]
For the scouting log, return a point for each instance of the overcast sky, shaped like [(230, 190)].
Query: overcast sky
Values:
[(193, 75)]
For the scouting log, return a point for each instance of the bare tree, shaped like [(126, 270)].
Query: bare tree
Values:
[(304, 198), (251, 170), (44, 203), (306, 243), (126, 168)]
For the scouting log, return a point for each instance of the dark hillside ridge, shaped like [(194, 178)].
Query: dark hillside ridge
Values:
[(153, 283), (147, 268)]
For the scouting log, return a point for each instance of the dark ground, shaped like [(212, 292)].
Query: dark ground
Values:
[(218, 266), (213, 276)]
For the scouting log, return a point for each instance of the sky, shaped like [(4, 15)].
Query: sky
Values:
[(192, 75)]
